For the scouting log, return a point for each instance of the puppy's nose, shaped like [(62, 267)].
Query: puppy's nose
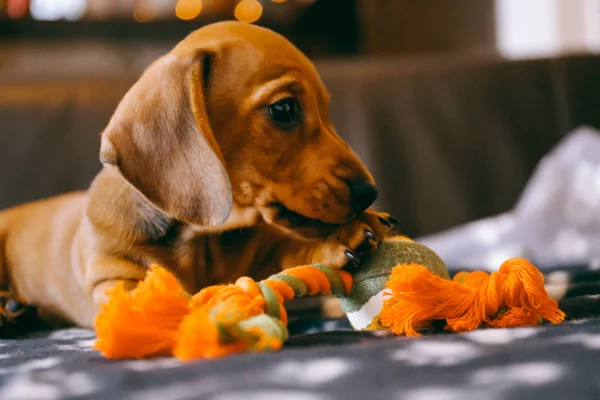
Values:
[(363, 195)]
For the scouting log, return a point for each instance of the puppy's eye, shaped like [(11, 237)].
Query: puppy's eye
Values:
[(285, 113)]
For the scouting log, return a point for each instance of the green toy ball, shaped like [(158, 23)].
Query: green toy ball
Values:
[(364, 303)]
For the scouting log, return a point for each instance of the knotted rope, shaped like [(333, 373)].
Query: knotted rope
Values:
[(159, 317)]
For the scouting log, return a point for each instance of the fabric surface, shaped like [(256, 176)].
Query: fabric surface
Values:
[(549, 362), (555, 222), (325, 360)]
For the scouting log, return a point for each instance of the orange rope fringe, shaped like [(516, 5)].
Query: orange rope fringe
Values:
[(159, 318), (513, 296)]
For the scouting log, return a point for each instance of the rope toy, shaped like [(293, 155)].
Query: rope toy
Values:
[(403, 289)]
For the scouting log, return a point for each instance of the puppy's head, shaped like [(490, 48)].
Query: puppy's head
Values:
[(235, 114)]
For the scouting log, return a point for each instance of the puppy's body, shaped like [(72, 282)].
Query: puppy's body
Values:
[(219, 162), (47, 247), (37, 260)]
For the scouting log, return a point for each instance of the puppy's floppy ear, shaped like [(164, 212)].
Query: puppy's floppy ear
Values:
[(161, 141)]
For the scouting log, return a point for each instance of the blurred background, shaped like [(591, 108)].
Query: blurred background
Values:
[(450, 103)]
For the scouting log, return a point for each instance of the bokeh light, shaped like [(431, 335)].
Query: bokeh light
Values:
[(248, 11), (188, 9), (16, 9), (278, 1), (71, 10)]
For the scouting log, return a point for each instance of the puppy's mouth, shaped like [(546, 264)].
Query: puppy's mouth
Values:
[(299, 224)]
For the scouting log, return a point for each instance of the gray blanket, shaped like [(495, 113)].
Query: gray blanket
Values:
[(549, 362)]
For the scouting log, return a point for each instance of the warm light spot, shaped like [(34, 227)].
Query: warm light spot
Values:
[(144, 11), (16, 9), (188, 9), (248, 11), (277, 1)]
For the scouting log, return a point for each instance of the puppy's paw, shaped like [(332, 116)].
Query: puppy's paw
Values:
[(15, 316), (345, 247)]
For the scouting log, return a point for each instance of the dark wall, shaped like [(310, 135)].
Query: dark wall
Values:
[(426, 26)]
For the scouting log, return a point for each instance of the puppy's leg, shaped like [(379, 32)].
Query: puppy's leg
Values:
[(341, 249), (16, 316), (345, 246), (104, 273), (100, 290), (349, 242)]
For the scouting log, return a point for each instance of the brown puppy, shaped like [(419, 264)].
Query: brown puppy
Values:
[(229, 130)]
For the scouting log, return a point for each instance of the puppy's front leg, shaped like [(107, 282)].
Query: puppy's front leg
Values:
[(104, 273), (344, 246)]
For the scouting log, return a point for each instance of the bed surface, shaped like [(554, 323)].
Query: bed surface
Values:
[(547, 362)]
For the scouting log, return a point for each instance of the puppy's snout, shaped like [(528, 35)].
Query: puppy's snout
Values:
[(363, 195)]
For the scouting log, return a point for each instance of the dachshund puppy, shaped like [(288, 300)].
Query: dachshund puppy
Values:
[(220, 161)]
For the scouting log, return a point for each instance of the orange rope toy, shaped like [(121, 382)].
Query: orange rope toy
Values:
[(514, 296), (159, 318)]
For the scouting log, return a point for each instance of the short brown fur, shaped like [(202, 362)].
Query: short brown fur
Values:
[(194, 178)]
